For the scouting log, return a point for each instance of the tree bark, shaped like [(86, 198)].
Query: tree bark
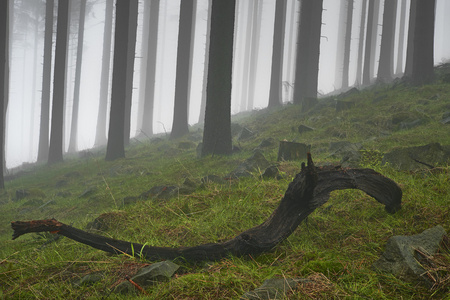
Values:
[(386, 64), (4, 74), (201, 117), (347, 44), (401, 38), (310, 189), (367, 71), (59, 84), (46, 82), (359, 65)]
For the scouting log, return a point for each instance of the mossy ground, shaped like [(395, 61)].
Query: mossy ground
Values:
[(336, 246)]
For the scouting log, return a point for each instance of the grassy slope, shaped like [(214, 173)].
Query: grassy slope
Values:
[(336, 247)]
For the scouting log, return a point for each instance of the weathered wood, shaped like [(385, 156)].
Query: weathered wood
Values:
[(310, 189)]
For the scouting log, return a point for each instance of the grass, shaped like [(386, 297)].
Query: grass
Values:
[(335, 247)]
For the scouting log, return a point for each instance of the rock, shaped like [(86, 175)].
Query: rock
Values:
[(254, 163), (400, 256), (303, 128), (245, 134), (344, 105), (89, 279), (271, 172), (417, 158), (266, 143), (87, 192), (274, 288), (446, 121), (292, 151)]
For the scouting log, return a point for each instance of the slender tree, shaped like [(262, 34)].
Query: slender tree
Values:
[(423, 60), (116, 134), (306, 73), (46, 82), (201, 117), (147, 118), (359, 65), (367, 72), (247, 55), (341, 38), (4, 74), (410, 42), (76, 89), (100, 133), (386, 64), (401, 38), (347, 43), (183, 72), (275, 93), (217, 128), (56, 136)]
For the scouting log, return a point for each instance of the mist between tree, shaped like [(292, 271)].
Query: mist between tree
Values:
[(251, 70)]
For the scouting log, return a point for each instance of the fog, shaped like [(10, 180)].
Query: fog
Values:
[(25, 89)]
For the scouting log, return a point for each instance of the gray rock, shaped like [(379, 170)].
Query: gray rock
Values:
[(303, 128), (446, 121), (157, 272), (274, 288), (270, 172), (254, 163), (245, 134), (89, 279), (400, 257)]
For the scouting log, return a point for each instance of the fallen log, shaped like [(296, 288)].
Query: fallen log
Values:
[(310, 189)]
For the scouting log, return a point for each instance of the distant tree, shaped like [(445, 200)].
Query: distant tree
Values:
[(401, 34), (247, 56), (100, 133), (4, 74), (131, 54), (217, 128), (347, 43), (46, 82), (116, 142), (386, 63), (147, 118), (76, 90), (359, 64), (423, 60), (56, 136), (201, 117), (341, 28), (183, 71), (410, 42), (368, 52), (290, 60), (275, 92), (307, 65)]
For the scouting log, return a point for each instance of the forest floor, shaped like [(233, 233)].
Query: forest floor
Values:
[(336, 247)]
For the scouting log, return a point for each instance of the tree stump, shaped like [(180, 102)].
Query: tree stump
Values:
[(292, 151)]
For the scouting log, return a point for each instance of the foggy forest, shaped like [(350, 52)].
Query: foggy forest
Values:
[(119, 114)]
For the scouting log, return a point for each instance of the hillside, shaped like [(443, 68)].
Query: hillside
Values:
[(156, 196)]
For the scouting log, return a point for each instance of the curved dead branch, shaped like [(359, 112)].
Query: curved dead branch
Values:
[(310, 189)]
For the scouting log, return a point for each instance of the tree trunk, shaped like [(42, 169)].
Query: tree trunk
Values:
[(386, 64), (247, 50), (201, 117), (359, 65), (308, 51), (100, 133), (4, 74), (59, 84), (76, 90), (46, 81), (367, 72), (410, 43), (116, 147), (309, 190), (275, 93), (180, 125), (401, 39), (217, 129), (131, 53), (147, 119), (347, 44), (423, 59), (341, 37)]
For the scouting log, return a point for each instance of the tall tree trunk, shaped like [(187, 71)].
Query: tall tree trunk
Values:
[(410, 45), (217, 129), (423, 59), (246, 66), (76, 90), (290, 57), (180, 125), (367, 72), (401, 38), (341, 37), (116, 134), (201, 117), (46, 81), (386, 64), (359, 65), (100, 133), (348, 39), (131, 54), (275, 93), (4, 74), (147, 119), (306, 73), (143, 62), (59, 83)]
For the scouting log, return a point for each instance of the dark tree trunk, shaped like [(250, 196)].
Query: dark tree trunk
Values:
[(217, 129), (59, 84), (348, 38), (423, 59), (367, 72), (362, 25), (386, 64), (147, 118), (201, 117), (100, 134), (180, 125), (76, 90), (309, 190), (401, 38), (116, 146), (410, 45), (308, 51), (46, 81), (4, 74), (275, 93), (131, 54)]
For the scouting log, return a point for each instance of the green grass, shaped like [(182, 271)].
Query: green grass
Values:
[(336, 246)]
